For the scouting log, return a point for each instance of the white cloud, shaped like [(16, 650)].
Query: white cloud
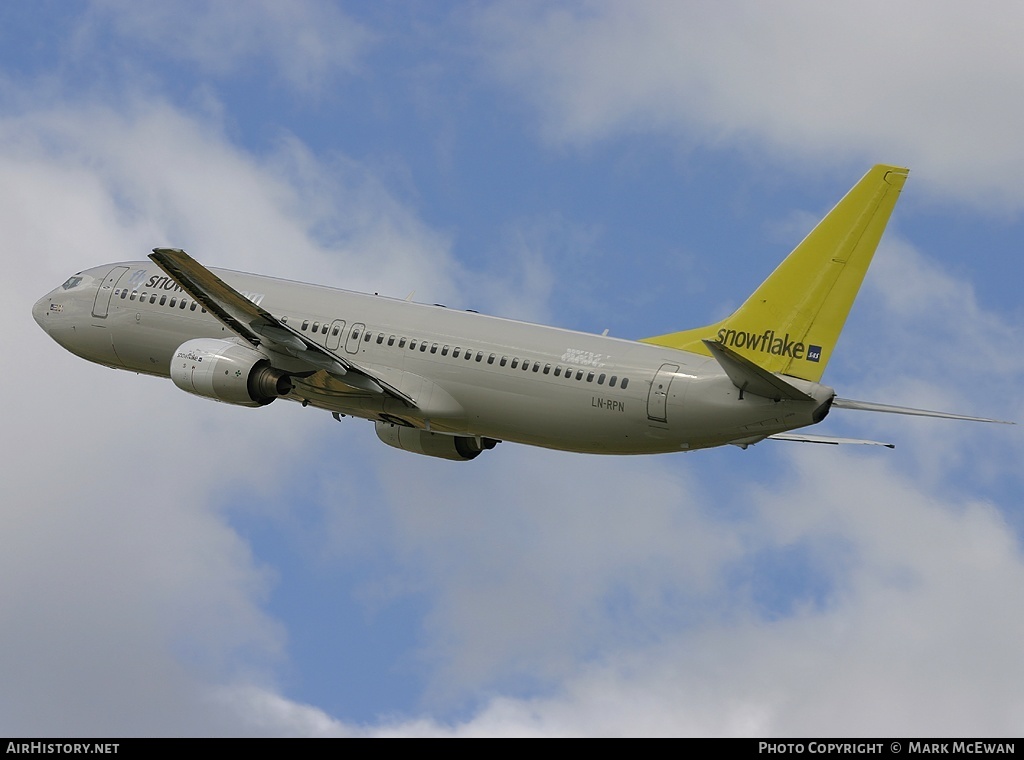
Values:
[(929, 85), (127, 599), (307, 42), (917, 636), (162, 177), (622, 590), (649, 597)]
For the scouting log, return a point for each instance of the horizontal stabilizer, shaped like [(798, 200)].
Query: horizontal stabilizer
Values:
[(750, 378), (800, 437), (868, 406)]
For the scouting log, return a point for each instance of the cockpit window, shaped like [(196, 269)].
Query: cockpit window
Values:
[(71, 282)]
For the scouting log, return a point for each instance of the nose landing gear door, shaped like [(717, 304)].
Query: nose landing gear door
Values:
[(657, 399)]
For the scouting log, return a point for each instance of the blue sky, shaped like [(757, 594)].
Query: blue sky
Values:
[(173, 566)]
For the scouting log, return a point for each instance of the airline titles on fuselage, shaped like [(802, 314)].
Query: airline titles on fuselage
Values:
[(163, 282), (582, 358)]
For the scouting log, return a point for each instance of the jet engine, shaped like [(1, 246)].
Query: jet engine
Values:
[(227, 371), (456, 447)]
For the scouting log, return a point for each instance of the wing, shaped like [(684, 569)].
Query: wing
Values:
[(259, 327)]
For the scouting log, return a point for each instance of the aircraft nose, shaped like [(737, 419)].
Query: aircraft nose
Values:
[(40, 311)]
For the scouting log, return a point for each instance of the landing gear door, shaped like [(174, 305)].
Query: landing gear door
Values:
[(657, 399), (106, 290)]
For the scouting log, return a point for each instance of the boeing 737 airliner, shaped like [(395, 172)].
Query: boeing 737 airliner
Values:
[(450, 384)]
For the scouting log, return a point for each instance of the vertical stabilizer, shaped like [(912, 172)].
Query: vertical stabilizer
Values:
[(792, 321)]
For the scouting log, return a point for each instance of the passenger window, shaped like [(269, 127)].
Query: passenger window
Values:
[(526, 366), (611, 381), (355, 333), (124, 293), (163, 300), (335, 331), (412, 345), (547, 368), (469, 354), (423, 346), (444, 350), (324, 328), (172, 302), (490, 359), (366, 336), (401, 343), (625, 381), (479, 356), (305, 324), (380, 339), (558, 370), (152, 298), (391, 340), (600, 379), (184, 302), (536, 366), (579, 374), (192, 306), (515, 362), (504, 361), (433, 348), (132, 296), (316, 326), (455, 353)]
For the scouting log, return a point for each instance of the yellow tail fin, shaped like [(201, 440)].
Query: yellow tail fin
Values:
[(792, 321)]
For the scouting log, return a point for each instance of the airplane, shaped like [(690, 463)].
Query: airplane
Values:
[(449, 383)]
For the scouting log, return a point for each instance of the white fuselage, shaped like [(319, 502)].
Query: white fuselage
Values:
[(469, 374)]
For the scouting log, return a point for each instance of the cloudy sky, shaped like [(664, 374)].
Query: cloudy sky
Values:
[(174, 566)]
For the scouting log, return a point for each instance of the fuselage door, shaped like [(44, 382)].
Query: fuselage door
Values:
[(352, 344), (105, 290), (334, 336), (657, 399)]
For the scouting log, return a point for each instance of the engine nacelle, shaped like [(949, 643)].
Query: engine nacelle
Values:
[(456, 447), (227, 371)]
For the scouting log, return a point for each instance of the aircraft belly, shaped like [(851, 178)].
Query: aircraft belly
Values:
[(145, 342), (713, 411), (554, 415)]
